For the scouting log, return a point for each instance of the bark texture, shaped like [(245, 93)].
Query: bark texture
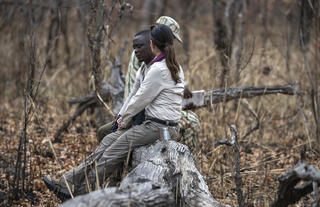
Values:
[(227, 94), (163, 174), (290, 190)]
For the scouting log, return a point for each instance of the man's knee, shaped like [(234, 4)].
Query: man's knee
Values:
[(104, 131)]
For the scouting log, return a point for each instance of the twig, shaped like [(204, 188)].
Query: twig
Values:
[(256, 127), (67, 184), (316, 194), (65, 180), (234, 143)]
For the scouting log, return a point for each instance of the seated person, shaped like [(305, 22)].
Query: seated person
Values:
[(189, 123), (160, 94)]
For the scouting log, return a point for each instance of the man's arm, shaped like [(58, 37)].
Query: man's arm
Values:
[(134, 90)]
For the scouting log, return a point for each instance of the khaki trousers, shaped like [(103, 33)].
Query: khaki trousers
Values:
[(111, 153), (104, 131)]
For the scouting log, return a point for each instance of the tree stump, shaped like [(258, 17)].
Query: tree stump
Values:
[(163, 174)]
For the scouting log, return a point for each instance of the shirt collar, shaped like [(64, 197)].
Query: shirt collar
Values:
[(160, 57)]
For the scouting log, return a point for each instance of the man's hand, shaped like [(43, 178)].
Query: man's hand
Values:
[(187, 93), (119, 123)]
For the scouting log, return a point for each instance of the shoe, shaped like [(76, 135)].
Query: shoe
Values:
[(61, 192)]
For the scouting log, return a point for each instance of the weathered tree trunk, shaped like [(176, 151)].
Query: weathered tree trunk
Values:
[(163, 174), (297, 183)]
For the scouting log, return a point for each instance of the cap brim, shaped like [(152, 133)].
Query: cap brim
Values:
[(178, 37)]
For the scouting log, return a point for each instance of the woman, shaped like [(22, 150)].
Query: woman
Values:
[(160, 94)]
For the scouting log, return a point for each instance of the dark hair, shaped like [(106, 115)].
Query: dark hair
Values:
[(144, 33), (162, 37)]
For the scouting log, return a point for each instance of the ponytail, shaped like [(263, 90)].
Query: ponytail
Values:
[(172, 62), (162, 37)]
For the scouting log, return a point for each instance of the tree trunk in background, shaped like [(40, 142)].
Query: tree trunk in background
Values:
[(162, 8), (307, 13), (221, 39), (242, 11), (53, 30), (317, 59), (64, 30), (95, 38), (293, 18), (148, 11), (187, 14)]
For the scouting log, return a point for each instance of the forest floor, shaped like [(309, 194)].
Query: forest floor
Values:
[(262, 160)]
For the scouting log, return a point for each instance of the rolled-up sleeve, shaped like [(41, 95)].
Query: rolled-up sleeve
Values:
[(149, 89)]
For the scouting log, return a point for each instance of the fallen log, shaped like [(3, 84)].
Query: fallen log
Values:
[(111, 91), (228, 94), (90, 101), (163, 174), (210, 97)]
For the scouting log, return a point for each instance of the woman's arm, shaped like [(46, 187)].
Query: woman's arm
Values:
[(150, 87)]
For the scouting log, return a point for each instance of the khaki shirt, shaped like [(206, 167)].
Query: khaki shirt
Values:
[(158, 94)]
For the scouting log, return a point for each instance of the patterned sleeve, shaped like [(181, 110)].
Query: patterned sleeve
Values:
[(133, 67)]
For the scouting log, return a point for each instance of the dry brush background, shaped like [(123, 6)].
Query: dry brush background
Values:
[(265, 48)]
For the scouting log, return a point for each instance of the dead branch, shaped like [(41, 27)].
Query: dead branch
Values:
[(81, 108), (163, 174), (234, 143), (256, 127), (218, 95)]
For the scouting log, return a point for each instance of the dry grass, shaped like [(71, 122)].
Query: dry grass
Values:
[(265, 154)]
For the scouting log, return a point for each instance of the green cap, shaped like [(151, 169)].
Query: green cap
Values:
[(174, 26)]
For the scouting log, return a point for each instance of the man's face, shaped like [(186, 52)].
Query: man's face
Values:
[(142, 48)]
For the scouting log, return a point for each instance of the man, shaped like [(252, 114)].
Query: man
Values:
[(83, 175), (189, 123)]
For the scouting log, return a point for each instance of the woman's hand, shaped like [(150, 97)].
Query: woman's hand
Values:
[(187, 93), (119, 123)]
